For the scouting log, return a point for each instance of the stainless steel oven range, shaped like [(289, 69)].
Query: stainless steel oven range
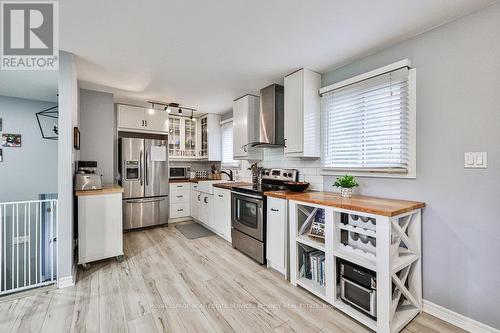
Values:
[(248, 212)]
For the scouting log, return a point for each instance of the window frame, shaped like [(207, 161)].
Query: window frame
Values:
[(412, 139), (237, 164)]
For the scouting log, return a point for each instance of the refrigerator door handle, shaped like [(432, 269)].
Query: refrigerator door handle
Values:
[(145, 200), (146, 168), (142, 166)]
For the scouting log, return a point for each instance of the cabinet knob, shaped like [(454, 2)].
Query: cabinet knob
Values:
[(205, 199), (221, 196), (180, 196), (275, 210)]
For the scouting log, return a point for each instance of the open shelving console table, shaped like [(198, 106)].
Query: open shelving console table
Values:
[(393, 228)]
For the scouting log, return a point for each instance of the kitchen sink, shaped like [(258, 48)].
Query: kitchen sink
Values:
[(205, 186)]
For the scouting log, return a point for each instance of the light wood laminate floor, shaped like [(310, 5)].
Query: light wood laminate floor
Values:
[(168, 283)]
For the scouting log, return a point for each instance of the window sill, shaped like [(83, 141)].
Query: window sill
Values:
[(379, 174)]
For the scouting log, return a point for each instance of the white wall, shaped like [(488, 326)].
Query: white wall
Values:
[(68, 118), (97, 131), (31, 169), (458, 110)]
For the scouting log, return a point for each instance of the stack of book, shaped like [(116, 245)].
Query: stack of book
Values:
[(313, 267)]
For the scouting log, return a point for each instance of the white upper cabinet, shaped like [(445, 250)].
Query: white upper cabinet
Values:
[(130, 117), (246, 128), (302, 114), (200, 140), (156, 120), (209, 138), (135, 118)]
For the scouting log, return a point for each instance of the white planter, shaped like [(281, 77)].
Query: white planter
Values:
[(346, 192)]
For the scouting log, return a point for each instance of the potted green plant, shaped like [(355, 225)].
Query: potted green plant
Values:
[(346, 184)]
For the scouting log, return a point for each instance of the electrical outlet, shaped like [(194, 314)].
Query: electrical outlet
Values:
[(476, 160), (21, 240)]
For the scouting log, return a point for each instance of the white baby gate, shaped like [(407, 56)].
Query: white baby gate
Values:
[(28, 248)]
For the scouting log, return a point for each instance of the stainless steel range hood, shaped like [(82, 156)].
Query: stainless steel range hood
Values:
[(271, 118)]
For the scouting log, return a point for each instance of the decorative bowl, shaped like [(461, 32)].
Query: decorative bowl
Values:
[(297, 186)]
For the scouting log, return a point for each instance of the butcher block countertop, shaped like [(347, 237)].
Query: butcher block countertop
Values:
[(280, 194), (106, 189), (228, 186), (185, 180), (360, 203)]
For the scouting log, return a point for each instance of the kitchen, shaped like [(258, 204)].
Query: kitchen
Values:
[(273, 217), (223, 167)]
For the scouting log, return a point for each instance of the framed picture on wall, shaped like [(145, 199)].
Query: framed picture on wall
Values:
[(11, 140), (76, 138)]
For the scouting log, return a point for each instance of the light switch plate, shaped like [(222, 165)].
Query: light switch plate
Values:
[(476, 160)]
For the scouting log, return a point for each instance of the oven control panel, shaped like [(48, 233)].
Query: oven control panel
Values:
[(287, 175)]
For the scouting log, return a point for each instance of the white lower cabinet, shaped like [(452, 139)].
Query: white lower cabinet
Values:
[(179, 210), (276, 237), (195, 201), (222, 213), (179, 196), (206, 210), (100, 227)]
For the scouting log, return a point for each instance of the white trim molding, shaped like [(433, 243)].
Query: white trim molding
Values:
[(66, 281), (457, 319), (376, 72)]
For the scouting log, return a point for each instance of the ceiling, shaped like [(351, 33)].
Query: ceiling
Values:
[(206, 53)]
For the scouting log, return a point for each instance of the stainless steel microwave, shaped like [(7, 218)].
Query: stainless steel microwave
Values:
[(179, 172), (358, 287)]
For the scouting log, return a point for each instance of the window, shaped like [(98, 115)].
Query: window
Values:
[(227, 146), (368, 123)]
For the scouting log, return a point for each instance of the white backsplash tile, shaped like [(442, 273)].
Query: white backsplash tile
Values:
[(309, 169)]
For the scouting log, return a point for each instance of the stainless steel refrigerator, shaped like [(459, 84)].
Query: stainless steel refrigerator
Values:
[(144, 177)]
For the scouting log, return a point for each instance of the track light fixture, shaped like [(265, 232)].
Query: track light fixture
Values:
[(168, 107), (151, 110)]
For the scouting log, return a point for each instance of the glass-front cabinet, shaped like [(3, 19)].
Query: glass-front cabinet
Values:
[(194, 140), (189, 138), (204, 137), (174, 137)]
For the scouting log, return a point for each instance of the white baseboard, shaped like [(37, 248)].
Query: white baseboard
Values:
[(180, 219), (457, 319), (66, 281)]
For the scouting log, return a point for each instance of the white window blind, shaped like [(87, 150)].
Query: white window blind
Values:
[(227, 146), (366, 125)]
